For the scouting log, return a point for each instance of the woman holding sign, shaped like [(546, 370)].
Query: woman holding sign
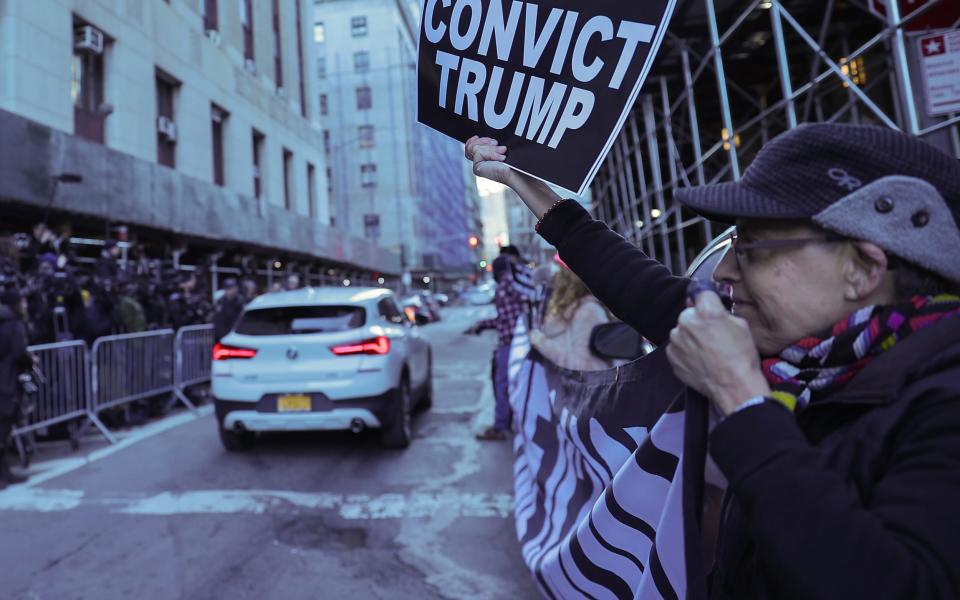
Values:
[(836, 378)]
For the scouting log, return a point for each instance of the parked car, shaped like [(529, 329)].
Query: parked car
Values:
[(321, 359), (481, 294)]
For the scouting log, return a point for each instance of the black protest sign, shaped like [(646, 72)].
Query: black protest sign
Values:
[(553, 80)]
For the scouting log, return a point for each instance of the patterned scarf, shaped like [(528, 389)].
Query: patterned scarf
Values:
[(815, 365)]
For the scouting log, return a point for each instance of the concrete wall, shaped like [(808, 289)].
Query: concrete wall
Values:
[(118, 187)]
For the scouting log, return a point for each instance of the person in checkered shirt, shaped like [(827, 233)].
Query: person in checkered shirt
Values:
[(510, 305)]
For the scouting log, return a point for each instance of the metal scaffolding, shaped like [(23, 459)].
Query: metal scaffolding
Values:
[(686, 130)]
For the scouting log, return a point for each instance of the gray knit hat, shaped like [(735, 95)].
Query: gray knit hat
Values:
[(865, 182)]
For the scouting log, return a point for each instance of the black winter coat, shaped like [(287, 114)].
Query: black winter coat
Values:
[(14, 359), (226, 315), (858, 496)]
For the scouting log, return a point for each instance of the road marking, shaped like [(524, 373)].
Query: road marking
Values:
[(64, 466), (351, 507)]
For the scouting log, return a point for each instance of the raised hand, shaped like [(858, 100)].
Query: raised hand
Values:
[(488, 159)]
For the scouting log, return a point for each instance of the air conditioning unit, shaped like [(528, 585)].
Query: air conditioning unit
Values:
[(88, 39), (167, 128), (250, 65), (214, 36)]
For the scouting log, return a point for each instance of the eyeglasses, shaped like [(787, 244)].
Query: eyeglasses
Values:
[(742, 251)]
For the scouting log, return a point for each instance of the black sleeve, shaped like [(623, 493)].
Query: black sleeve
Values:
[(18, 346), (819, 536), (638, 289)]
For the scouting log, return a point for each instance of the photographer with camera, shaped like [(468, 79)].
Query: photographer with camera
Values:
[(14, 360)]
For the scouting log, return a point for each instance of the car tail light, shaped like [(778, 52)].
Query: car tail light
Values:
[(224, 352), (377, 345)]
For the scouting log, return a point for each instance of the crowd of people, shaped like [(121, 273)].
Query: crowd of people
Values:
[(62, 296), (69, 299)]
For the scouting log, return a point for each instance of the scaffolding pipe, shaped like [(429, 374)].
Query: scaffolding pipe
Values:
[(672, 169), (653, 151), (631, 191), (903, 68), (782, 64), (837, 70), (642, 179), (722, 88), (694, 121), (626, 198)]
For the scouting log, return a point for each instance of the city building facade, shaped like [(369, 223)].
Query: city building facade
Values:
[(391, 179), (197, 117)]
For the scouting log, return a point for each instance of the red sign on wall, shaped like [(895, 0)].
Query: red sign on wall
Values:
[(941, 16)]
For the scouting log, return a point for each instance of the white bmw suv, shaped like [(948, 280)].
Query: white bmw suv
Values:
[(321, 359)]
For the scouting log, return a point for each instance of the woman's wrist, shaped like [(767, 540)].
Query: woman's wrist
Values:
[(729, 398)]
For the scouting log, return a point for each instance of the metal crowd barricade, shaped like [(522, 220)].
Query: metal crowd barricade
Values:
[(63, 394), (194, 349), (129, 367)]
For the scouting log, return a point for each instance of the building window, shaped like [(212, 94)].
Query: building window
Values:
[(321, 67), (311, 190), (368, 176), (218, 120), (326, 141), (246, 21), (259, 141), (277, 46), (210, 15), (300, 71), (361, 61), (287, 179), (319, 32), (364, 98), (365, 136), (166, 119), (329, 182), (358, 26), (86, 86), (324, 105)]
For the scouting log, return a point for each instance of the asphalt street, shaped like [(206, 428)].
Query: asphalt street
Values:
[(168, 513)]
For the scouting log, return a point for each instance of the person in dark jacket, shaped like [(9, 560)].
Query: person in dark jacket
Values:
[(107, 267), (14, 359), (228, 309), (836, 378), (510, 306)]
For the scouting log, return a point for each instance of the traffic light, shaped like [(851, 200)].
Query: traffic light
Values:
[(474, 241)]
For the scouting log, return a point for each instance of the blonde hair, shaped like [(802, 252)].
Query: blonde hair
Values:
[(568, 292)]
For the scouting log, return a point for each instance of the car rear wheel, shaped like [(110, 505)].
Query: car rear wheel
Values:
[(237, 441), (399, 432)]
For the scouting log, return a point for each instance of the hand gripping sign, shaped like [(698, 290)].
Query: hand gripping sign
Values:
[(553, 80)]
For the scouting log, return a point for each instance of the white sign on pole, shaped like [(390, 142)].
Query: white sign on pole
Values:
[(940, 56)]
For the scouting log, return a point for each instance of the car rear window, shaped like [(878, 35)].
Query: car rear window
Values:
[(301, 319)]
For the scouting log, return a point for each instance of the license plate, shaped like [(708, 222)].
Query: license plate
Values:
[(293, 403)]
